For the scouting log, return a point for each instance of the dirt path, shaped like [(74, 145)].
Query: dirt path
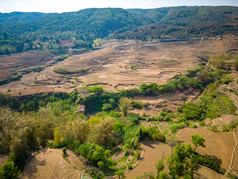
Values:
[(232, 157), (49, 164), (152, 153)]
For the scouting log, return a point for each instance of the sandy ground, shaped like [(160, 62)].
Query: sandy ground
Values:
[(125, 64), (49, 164), (218, 145), (152, 153)]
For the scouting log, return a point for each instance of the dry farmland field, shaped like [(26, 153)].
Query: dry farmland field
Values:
[(117, 65)]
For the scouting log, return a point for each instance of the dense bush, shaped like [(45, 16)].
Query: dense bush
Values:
[(192, 111), (9, 170), (95, 154)]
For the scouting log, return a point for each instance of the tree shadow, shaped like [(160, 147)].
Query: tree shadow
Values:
[(31, 166), (214, 158), (149, 143)]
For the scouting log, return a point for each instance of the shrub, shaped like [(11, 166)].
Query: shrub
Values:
[(202, 123), (192, 111), (159, 166), (66, 71), (236, 65), (227, 80), (138, 104), (107, 107), (175, 127), (9, 170), (163, 175), (217, 61), (95, 89), (206, 161), (204, 77), (169, 87), (124, 105)]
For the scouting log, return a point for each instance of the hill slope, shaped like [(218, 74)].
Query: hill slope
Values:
[(27, 31)]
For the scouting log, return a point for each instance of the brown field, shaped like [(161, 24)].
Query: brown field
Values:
[(49, 163), (120, 65), (152, 153), (21, 61), (219, 145)]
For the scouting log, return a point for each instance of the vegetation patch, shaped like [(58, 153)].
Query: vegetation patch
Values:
[(65, 71)]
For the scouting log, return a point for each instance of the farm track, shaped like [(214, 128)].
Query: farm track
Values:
[(233, 154)]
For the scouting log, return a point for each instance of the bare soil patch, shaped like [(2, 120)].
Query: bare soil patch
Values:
[(219, 145), (152, 153), (49, 163)]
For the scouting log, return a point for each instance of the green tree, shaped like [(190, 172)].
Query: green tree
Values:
[(124, 105), (198, 140)]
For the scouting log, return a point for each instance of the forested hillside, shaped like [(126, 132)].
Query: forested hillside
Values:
[(28, 31), (21, 16)]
